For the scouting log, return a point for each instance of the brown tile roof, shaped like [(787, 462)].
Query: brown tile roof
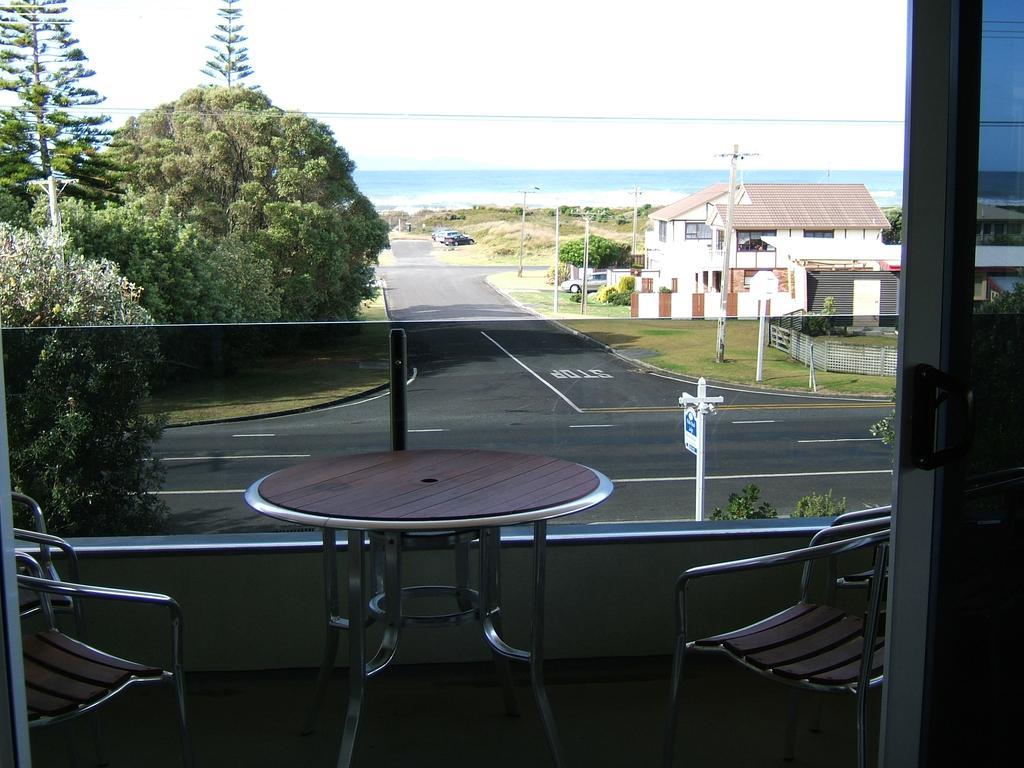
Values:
[(807, 206), (678, 208)]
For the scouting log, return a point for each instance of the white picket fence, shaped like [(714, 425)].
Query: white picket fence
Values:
[(834, 355)]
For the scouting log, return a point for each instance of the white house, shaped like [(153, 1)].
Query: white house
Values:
[(816, 240)]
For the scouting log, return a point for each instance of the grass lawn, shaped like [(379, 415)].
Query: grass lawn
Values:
[(688, 347), (281, 382), (532, 290)]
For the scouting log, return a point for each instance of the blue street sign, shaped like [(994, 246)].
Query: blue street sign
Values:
[(690, 430)]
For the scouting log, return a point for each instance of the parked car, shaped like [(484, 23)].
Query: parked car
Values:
[(438, 235), (458, 239), (597, 279)]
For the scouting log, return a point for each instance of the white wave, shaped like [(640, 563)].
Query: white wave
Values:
[(455, 200)]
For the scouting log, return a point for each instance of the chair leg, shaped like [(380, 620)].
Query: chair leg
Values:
[(94, 726), (862, 726), (789, 747), (673, 701), (188, 757), (332, 608)]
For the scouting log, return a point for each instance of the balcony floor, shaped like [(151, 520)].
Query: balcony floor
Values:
[(610, 712)]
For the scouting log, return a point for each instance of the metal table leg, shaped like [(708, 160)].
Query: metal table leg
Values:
[(490, 610), (537, 642), (356, 648), (333, 624)]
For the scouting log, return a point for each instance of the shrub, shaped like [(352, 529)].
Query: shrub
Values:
[(603, 252), (604, 294), (819, 505), (79, 443), (744, 506), (627, 284), (563, 274)]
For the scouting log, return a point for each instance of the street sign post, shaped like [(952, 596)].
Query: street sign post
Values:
[(693, 433)]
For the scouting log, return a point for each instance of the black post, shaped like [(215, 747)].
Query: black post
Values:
[(399, 375)]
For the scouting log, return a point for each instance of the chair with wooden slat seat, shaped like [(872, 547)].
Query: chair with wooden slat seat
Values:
[(66, 678), (809, 645)]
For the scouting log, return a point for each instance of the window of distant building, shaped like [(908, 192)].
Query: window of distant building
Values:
[(696, 230), (824, 233), (662, 231), (750, 239)]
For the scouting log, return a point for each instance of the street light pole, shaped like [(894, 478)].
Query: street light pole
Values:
[(522, 228), (636, 202)]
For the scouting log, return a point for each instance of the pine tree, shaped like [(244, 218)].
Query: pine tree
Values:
[(44, 133), (230, 61)]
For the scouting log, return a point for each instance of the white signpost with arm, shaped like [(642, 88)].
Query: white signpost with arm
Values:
[(693, 433)]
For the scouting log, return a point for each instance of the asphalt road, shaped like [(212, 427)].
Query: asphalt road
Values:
[(490, 375)]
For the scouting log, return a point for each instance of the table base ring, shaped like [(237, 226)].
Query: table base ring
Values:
[(378, 606)]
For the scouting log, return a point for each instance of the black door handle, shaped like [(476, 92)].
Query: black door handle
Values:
[(933, 388)]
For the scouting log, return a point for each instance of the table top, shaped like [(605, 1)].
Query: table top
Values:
[(427, 490)]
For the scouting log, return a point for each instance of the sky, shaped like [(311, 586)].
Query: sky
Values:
[(805, 84)]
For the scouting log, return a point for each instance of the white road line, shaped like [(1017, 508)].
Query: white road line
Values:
[(530, 371), (845, 440), (590, 426), (235, 458), (771, 394), (257, 434), (625, 480), (198, 493), (428, 430), (761, 421)]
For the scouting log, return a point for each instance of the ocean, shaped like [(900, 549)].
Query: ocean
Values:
[(411, 191)]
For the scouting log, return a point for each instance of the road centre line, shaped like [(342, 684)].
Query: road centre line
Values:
[(234, 458), (623, 480), (845, 440), (428, 430), (756, 421), (531, 372), (740, 407), (590, 426), (257, 434), (627, 480)]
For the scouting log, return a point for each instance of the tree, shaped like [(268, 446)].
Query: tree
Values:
[(232, 164), (79, 442), (230, 61), (894, 234), (188, 277), (603, 252), (45, 132)]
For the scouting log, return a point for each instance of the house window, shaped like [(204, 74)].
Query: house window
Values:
[(750, 239), (662, 231), (696, 230), (980, 284), (821, 233), (719, 239)]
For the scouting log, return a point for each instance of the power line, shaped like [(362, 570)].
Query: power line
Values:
[(521, 117)]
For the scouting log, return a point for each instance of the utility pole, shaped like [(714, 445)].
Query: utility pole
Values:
[(554, 279), (52, 193), (724, 287), (587, 216), (522, 228), (636, 196)]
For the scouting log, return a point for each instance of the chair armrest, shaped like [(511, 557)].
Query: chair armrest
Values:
[(72, 590), (859, 515), (33, 507), (804, 554), (45, 542)]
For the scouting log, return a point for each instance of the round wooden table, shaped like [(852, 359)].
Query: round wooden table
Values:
[(396, 498)]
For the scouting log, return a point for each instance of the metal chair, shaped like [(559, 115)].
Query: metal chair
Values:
[(810, 646), (66, 678)]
